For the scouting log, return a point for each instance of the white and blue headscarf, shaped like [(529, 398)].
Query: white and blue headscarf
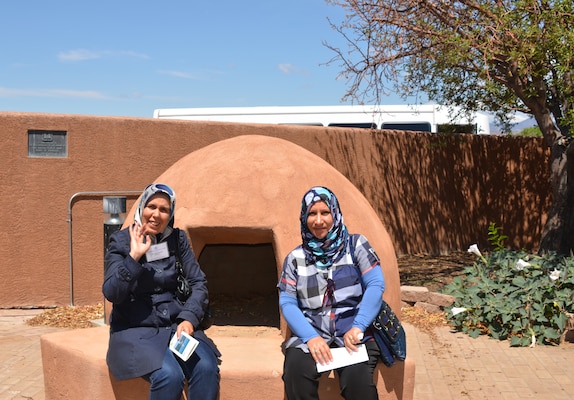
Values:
[(148, 193), (323, 252)]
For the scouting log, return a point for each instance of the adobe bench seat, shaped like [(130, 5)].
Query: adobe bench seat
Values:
[(75, 368)]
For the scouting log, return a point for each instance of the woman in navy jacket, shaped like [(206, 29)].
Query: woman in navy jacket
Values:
[(141, 280)]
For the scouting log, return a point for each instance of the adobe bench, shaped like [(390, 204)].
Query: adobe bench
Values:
[(74, 367)]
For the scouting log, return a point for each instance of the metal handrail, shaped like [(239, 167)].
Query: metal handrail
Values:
[(70, 203)]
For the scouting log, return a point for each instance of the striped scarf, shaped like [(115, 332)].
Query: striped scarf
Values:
[(323, 252)]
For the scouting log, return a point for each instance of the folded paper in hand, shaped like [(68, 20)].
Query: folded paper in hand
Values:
[(184, 346), (342, 358)]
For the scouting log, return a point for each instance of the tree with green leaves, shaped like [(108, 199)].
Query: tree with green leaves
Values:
[(500, 56)]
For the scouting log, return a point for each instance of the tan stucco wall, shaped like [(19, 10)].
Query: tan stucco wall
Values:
[(433, 194)]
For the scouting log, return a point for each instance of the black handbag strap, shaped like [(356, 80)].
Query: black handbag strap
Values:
[(178, 263), (207, 320)]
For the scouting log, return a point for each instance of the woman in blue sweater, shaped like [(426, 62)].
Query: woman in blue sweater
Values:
[(331, 288)]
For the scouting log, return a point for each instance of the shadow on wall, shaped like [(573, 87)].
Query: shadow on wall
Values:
[(451, 187)]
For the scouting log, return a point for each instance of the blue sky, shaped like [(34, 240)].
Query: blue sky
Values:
[(127, 58)]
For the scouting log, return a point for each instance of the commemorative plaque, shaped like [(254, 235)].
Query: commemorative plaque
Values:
[(44, 143)]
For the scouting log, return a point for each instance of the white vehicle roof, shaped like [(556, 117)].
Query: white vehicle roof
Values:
[(381, 116)]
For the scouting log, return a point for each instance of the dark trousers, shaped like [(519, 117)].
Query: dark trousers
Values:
[(301, 378)]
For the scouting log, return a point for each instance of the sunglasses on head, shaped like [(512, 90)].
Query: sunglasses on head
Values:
[(164, 188)]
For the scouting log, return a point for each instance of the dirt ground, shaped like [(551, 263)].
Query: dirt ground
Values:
[(432, 272)]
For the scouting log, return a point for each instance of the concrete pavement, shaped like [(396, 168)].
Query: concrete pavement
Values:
[(20, 358), (454, 366), (448, 365)]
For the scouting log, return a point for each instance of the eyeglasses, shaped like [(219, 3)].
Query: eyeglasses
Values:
[(328, 296)]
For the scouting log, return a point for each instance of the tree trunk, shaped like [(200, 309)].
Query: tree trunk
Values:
[(558, 233)]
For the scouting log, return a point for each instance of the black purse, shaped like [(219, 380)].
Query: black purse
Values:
[(387, 330), (183, 290), (389, 335)]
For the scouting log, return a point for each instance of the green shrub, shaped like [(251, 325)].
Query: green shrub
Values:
[(495, 237), (514, 296), (533, 131)]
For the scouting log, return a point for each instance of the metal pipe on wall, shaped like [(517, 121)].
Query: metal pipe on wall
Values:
[(70, 244)]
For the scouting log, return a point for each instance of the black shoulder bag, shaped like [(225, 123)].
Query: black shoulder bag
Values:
[(387, 329), (183, 290)]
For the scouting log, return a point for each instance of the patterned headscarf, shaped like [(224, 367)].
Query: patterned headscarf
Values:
[(148, 193), (323, 252)]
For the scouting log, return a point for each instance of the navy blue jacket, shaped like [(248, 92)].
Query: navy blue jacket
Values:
[(145, 310)]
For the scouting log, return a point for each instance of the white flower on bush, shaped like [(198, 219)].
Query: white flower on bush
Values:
[(532, 338), (458, 310), (521, 264), (474, 249), (554, 275)]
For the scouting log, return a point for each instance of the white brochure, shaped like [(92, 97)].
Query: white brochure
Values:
[(342, 358), (184, 346)]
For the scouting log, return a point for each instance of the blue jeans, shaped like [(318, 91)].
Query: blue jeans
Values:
[(201, 372)]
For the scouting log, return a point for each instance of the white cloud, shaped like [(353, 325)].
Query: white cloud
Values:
[(204, 75), (83, 55), (78, 55), (291, 69), (179, 74), (54, 93), (133, 54)]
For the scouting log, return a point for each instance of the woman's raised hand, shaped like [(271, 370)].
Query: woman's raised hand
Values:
[(139, 241)]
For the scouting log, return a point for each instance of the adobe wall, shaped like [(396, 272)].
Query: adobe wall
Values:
[(433, 194)]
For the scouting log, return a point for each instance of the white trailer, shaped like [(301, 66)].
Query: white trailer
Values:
[(427, 118)]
